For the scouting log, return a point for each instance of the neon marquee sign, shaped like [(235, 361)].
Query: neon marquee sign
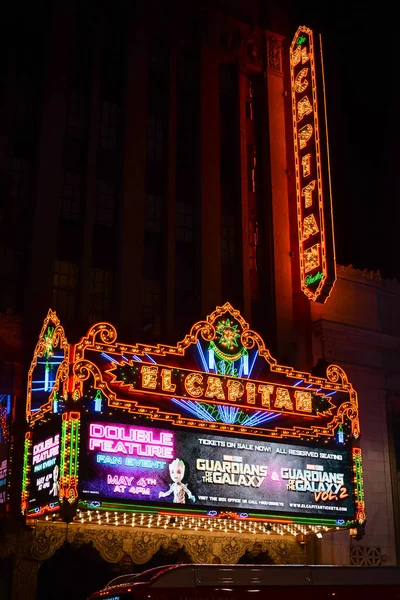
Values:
[(213, 421), (314, 206), (194, 384)]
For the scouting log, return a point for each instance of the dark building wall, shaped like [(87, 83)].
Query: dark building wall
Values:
[(141, 182)]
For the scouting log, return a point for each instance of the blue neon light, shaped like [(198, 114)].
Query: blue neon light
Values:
[(44, 362), (259, 417), (245, 362), (252, 364), (298, 382), (195, 408), (137, 358), (331, 393), (211, 359), (241, 367), (228, 414), (109, 357), (202, 357), (151, 359)]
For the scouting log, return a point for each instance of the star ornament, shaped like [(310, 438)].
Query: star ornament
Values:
[(228, 333)]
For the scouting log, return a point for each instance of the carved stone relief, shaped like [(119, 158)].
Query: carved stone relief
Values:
[(137, 546), (274, 53), (140, 545)]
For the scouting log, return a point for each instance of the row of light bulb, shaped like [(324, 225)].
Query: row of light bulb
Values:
[(195, 523)]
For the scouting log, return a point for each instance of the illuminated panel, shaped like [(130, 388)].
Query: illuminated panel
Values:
[(48, 373), (134, 464), (314, 204), (124, 413), (41, 471), (5, 423), (217, 390)]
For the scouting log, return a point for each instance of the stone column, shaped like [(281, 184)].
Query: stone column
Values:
[(279, 190), (210, 178), (24, 583)]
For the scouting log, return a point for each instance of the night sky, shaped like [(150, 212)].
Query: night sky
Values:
[(359, 51)]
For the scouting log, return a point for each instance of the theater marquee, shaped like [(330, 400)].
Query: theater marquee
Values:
[(208, 427), (313, 190)]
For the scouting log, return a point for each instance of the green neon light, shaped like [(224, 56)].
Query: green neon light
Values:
[(225, 367), (359, 491), (76, 449), (25, 465), (63, 448), (48, 342), (310, 279), (71, 446), (228, 333), (300, 40)]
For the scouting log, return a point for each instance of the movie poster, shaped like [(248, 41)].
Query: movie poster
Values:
[(45, 470), (143, 464), (5, 424)]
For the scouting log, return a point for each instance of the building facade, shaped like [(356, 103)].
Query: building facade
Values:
[(147, 163)]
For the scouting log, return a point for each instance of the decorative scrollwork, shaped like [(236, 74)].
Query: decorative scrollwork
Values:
[(83, 369), (335, 373), (199, 548), (46, 540), (103, 333)]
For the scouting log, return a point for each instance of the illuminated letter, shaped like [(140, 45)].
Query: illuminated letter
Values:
[(307, 192), (300, 85), (266, 391), (214, 388), (309, 226), (192, 389), (304, 135), (251, 393), (235, 390), (304, 55), (311, 258), (300, 54), (303, 108), (166, 385), (296, 56), (305, 163), (149, 377), (303, 401), (96, 430), (283, 399)]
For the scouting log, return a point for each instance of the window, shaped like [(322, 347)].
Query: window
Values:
[(228, 239), (154, 212), (184, 222), (184, 274), (65, 289), (18, 176), (105, 204), (151, 305), (154, 138), (8, 277), (70, 196), (17, 187), (77, 122), (108, 127), (101, 288)]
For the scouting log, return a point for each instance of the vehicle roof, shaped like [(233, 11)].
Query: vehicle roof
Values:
[(232, 575)]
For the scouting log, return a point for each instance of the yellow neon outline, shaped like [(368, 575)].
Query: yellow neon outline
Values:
[(316, 159)]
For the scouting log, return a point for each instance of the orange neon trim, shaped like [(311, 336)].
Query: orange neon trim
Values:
[(323, 267), (58, 340), (336, 380)]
